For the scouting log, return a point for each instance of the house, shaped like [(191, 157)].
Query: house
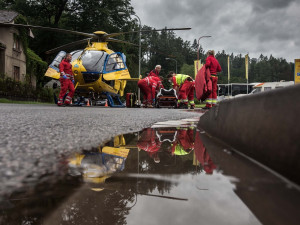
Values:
[(12, 53)]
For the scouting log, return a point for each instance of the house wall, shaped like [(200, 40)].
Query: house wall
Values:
[(12, 57)]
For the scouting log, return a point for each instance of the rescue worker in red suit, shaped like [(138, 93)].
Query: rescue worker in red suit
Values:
[(155, 73), (214, 67), (150, 143), (185, 88), (148, 86), (66, 80)]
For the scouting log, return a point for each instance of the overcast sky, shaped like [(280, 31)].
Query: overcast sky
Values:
[(238, 26)]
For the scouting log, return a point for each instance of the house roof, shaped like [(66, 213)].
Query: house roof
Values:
[(7, 16)]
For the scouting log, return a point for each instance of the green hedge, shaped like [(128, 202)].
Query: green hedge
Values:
[(16, 90)]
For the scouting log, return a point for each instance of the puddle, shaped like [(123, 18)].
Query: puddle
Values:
[(170, 173)]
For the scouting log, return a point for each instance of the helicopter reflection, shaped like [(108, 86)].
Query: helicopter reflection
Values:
[(95, 166), (176, 147)]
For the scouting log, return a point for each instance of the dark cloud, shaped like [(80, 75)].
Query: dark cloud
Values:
[(265, 5), (238, 26)]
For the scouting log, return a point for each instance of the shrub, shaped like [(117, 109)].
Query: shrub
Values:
[(16, 90)]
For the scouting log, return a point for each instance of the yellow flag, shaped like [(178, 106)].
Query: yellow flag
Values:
[(197, 66), (246, 65), (297, 71)]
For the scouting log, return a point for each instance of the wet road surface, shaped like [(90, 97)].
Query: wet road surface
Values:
[(35, 138), (170, 173)]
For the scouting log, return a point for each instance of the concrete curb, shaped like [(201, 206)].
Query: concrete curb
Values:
[(264, 126)]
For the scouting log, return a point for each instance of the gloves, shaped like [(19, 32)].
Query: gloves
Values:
[(64, 76), (73, 81)]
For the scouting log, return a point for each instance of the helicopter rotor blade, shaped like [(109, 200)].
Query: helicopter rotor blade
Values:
[(68, 45), (136, 31), (49, 29), (120, 41), (104, 37)]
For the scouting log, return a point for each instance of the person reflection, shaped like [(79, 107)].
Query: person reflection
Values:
[(150, 143), (202, 156), (184, 142)]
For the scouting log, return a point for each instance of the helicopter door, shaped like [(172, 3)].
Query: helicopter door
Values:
[(114, 62), (57, 60), (53, 69), (115, 71)]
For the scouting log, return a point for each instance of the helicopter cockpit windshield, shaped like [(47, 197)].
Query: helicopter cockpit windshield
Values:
[(93, 61)]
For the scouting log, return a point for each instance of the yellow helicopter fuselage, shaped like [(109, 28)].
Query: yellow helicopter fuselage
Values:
[(104, 79)]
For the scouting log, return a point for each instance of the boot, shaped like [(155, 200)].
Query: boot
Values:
[(183, 106)]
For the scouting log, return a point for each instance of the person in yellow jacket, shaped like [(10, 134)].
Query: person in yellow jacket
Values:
[(185, 87)]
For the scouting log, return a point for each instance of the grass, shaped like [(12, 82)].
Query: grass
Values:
[(4, 100)]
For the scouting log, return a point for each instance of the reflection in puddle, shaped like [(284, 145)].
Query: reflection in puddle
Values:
[(168, 144), (170, 173)]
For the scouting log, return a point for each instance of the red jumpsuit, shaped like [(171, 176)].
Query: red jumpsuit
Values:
[(184, 142), (155, 74), (202, 155), (148, 87), (186, 91), (66, 80), (214, 67), (149, 142)]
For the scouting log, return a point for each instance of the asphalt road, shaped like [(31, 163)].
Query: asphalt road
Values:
[(34, 138)]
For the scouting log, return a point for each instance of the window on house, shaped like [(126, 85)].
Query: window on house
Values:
[(16, 73), (16, 45)]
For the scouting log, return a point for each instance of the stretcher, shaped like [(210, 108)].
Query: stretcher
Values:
[(166, 99)]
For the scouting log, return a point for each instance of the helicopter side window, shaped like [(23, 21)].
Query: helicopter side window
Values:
[(115, 62), (55, 63), (93, 61), (76, 54)]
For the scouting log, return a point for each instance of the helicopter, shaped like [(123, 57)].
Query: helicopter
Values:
[(97, 69)]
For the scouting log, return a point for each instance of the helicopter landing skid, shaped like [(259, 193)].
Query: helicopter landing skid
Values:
[(111, 98)]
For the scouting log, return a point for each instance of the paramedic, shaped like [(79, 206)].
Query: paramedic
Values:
[(214, 67), (155, 73), (185, 87), (66, 80), (148, 87)]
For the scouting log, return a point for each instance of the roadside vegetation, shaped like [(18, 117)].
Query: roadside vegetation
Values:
[(5, 100), (12, 90)]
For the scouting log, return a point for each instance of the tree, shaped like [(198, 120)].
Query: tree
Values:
[(187, 69)]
